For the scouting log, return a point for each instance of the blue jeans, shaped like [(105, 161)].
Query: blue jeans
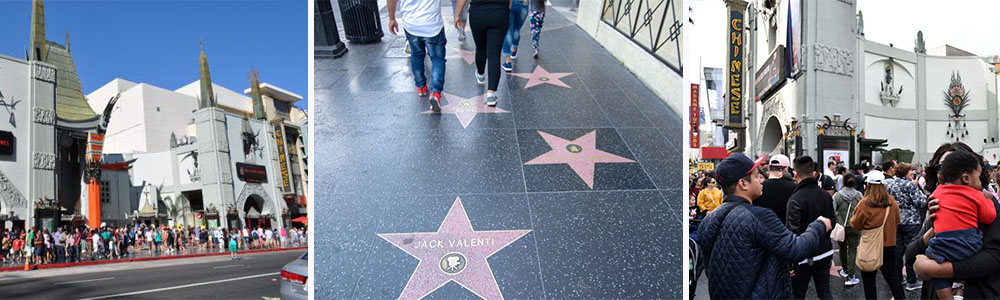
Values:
[(433, 47), (518, 14), (953, 245)]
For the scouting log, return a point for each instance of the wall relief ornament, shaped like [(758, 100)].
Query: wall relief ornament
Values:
[(12, 197), (43, 116), (888, 94), (43, 73), (957, 99), (44, 161), (834, 60)]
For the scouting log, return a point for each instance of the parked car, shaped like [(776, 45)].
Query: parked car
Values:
[(295, 278)]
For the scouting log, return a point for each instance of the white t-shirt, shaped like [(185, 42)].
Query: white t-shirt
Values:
[(421, 17)]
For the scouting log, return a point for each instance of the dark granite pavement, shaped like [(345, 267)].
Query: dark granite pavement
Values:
[(597, 229)]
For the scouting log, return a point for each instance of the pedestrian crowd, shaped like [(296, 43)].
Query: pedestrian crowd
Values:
[(76, 244), (496, 31), (767, 228)]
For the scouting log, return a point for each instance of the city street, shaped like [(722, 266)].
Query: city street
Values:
[(217, 277)]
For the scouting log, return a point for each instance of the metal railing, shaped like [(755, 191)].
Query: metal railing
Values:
[(655, 25)]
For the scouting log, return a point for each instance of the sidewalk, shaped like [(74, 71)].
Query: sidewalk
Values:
[(143, 255), (604, 224)]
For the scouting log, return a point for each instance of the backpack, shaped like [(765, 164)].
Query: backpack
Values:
[(869, 257)]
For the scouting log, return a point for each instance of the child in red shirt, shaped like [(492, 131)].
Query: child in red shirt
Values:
[(962, 207)]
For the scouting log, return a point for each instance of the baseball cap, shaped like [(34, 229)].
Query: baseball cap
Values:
[(875, 177), (734, 167), (780, 160)]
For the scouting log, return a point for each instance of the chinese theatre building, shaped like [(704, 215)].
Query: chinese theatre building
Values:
[(821, 89)]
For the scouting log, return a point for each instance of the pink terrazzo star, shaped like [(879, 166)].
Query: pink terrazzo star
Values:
[(466, 109), (540, 76), (456, 252), (580, 154), (468, 56)]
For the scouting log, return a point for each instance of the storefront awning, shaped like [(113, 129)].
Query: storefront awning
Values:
[(714, 153)]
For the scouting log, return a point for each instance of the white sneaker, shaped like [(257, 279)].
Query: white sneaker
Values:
[(491, 100), (481, 78), (852, 281), (842, 273)]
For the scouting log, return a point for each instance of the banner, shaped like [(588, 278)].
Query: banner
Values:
[(736, 68), (794, 38), (695, 112), (706, 166), (279, 137)]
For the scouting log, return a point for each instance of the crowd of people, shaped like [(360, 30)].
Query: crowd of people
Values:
[(767, 228), (76, 244), (496, 31)]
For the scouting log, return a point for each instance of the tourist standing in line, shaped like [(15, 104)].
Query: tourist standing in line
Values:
[(424, 29), (710, 196), (489, 21), (777, 187), (807, 203), (754, 261), (871, 214), (518, 14), (845, 201), (537, 18), (911, 201)]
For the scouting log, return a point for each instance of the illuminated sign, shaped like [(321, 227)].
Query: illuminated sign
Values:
[(251, 173), (734, 118), (279, 137), (6, 143), (771, 75), (695, 116)]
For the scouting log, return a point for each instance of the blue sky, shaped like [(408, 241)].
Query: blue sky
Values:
[(156, 42)]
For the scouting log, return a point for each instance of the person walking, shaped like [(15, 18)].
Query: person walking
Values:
[(911, 200), (537, 18), (464, 16), (808, 202), (755, 248), (710, 197), (777, 187), (844, 202), (424, 29), (518, 14), (878, 209), (489, 21)]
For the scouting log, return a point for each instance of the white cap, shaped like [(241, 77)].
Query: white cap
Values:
[(875, 177)]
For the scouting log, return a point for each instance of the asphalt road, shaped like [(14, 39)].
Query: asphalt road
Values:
[(253, 277)]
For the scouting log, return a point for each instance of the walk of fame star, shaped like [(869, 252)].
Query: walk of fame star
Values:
[(468, 56), (456, 252), (466, 109), (540, 76), (580, 154)]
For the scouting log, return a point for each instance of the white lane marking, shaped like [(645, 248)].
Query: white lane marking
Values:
[(88, 280), (227, 266), (181, 286)]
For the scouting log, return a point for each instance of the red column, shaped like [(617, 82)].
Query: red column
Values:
[(94, 204)]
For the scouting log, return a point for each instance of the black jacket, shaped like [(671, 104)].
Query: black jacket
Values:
[(754, 251), (807, 203), (981, 272), (775, 196)]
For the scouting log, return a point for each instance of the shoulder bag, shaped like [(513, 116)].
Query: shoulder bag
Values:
[(870, 248)]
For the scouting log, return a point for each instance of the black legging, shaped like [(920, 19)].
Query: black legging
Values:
[(889, 273), (489, 26)]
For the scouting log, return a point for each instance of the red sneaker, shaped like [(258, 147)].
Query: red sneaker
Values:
[(435, 101), (422, 91)]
